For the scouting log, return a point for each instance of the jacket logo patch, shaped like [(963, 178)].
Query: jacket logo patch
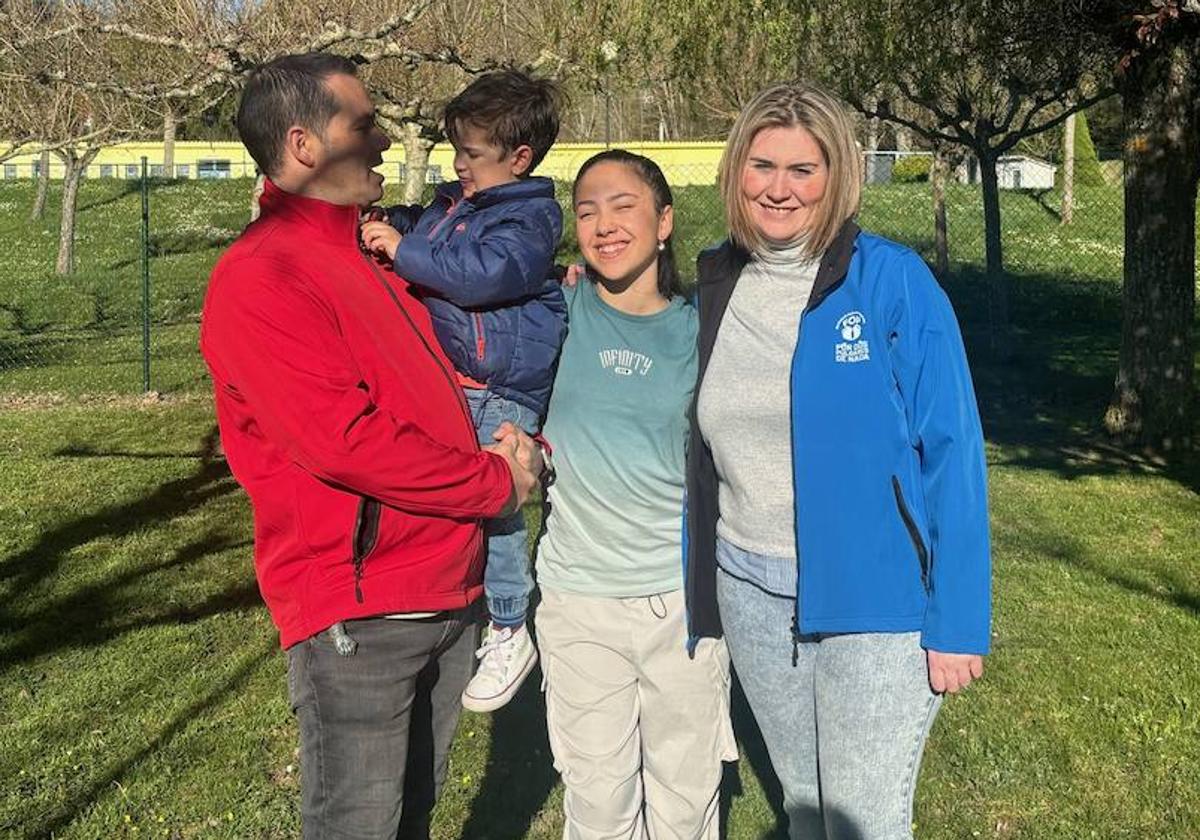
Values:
[(460, 227), (853, 347)]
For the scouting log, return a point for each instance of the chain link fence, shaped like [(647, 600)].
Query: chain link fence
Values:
[(99, 331)]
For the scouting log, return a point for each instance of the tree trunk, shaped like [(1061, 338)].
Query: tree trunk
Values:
[(937, 178), (870, 124), (997, 282), (74, 165), (1153, 400), (43, 186), (903, 139), (72, 171), (169, 125), (416, 162), (1068, 179)]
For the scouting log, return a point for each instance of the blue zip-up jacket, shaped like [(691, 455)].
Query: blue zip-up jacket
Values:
[(486, 264), (888, 462)]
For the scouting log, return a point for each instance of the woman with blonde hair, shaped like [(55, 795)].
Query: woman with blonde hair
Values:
[(836, 479)]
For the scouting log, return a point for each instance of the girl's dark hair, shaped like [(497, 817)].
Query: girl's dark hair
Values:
[(652, 176)]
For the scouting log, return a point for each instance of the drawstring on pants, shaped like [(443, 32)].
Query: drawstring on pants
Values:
[(655, 607)]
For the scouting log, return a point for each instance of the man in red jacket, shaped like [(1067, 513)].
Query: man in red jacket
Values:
[(342, 419)]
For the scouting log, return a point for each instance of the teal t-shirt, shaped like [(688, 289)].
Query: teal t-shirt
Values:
[(617, 422)]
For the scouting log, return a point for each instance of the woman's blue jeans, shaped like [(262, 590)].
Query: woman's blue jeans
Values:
[(507, 579), (845, 721)]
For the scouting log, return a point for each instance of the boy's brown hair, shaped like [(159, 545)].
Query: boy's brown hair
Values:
[(512, 108)]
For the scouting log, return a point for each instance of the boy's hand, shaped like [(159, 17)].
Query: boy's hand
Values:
[(380, 238)]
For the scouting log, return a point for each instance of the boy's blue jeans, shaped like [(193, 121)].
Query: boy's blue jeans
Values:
[(507, 579)]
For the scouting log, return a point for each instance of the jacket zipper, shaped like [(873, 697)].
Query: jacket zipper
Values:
[(808, 307), (442, 221), (366, 521), (362, 543), (480, 340), (914, 533), (450, 380)]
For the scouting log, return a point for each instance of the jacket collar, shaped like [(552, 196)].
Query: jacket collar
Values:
[(333, 223), (728, 260), (532, 187), (731, 258), (834, 264)]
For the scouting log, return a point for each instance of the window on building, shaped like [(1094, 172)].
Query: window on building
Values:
[(132, 171), (156, 170), (36, 169), (183, 170), (10, 171), (212, 169), (107, 170), (433, 175)]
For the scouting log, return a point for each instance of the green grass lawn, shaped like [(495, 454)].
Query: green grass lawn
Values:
[(142, 693)]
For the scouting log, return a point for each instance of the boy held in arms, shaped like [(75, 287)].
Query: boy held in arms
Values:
[(483, 254)]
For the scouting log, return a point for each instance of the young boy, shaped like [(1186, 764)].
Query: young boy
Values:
[(483, 252)]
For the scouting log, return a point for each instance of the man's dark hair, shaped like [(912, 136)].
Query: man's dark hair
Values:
[(512, 108), (287, 91)]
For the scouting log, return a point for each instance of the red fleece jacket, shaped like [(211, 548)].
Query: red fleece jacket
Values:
[(342, 419)]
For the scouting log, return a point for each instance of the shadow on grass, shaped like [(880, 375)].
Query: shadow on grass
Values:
[(1044, 406), (173, 244), (520, 772), (20, 320), (32, 350), (1039, 197), (91, 615), (127, 188), (1164, 585), (51, 824)]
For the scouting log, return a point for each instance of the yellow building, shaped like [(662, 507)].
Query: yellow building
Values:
[(683, 162)]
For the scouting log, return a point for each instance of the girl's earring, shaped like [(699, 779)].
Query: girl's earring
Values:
[(662, 246)]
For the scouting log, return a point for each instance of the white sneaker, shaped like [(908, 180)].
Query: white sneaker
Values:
[(505, 658)]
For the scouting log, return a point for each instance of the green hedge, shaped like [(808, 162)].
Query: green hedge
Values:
[(911, 169)]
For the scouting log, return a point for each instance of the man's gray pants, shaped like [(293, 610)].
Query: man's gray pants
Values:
[(376, 727)]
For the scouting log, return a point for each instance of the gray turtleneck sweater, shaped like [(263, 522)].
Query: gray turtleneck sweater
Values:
[(744, 406)]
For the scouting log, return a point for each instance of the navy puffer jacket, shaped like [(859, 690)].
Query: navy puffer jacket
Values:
[(486, 266)]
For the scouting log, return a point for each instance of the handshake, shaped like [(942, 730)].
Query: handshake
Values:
[(524, 459)]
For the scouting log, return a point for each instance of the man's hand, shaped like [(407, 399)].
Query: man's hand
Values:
[(528, 451), (952, 672), (524, 461), (380, 238)]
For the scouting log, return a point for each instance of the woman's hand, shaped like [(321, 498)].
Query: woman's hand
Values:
[(573, 273), (952, 672)]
